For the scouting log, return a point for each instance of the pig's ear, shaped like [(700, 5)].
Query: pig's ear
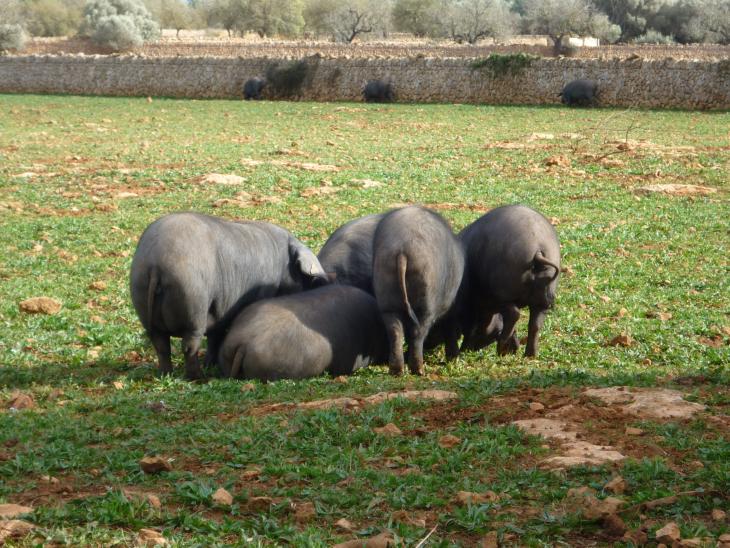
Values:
[(307, 264)]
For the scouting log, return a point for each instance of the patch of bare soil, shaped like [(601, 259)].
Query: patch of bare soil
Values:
[(306, 166), (355, 402), (582, 427), (676, 189)]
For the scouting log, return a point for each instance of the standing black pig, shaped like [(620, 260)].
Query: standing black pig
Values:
[(580, 93), (418, 266), (192, 273), (334, 328), (347, 255), (378, 91), (253, 87), (513, 261)]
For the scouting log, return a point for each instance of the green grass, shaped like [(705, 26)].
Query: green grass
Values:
[(64, 228)]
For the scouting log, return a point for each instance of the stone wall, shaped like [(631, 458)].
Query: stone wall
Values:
[(622, 83), (256, 47)]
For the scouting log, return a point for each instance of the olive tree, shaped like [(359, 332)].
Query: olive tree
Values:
[(12, 37), (419, 17), (562, 18), (472, 20), (119, 24)]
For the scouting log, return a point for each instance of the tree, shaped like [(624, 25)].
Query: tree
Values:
[(711, 23), (12, 37), (472, 20), (230, 15), (119, 24), (561, 18), (316, 16), (174, 14), (419, 17), (275, 17), (52, 17)]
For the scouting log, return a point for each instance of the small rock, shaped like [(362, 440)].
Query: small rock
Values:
[(341, 379), (691, 542), (123, 195), (222, 497), (389, 429), (98, 285), (222, 179), (636, 537), (449, 441), (248, 387), (467, 497), (631, 431), (383, 540), (251, 473), (669, 534), (10, 511), (616, 486), (14, 528), (40, 305), (621, 340), (344, 524), (490, 540), (155, 465), (18, 401), (559, 160), (613, 525), (150, 537), (537, 406), (154, 501), (724, 538), (718, 515), (304, 512), (260, 504)]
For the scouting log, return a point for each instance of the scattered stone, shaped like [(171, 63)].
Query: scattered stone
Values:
[(150, 537), (449, 441), (616, 486), (344, 524), (155, 465), (222, 179), (260, 504), (14, 528), (631, 431), (341, 379), (153, 500), (19, 400), (404, 516), (559, 161), (691, 542), (10, 511), (465, 498), (675, 189), (724, 540), (222, 497), (614, 525), (251, 473), (367, 183), (389, 429), (98, 285), (124, 195), (621, 340), (669, 534), (40, 305), (718, 515), (537, 406), (654, 403), (636, 537), (383, 540), (304, 512), (490, 540)]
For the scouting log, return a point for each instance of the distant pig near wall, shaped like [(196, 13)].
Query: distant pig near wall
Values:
[(689, 84)]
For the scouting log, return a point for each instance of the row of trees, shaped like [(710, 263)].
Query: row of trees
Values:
[(125, 23)]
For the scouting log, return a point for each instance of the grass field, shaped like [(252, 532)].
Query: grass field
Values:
[(80, 178)]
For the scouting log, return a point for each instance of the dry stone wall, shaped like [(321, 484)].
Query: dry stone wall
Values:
[(623, 83)]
